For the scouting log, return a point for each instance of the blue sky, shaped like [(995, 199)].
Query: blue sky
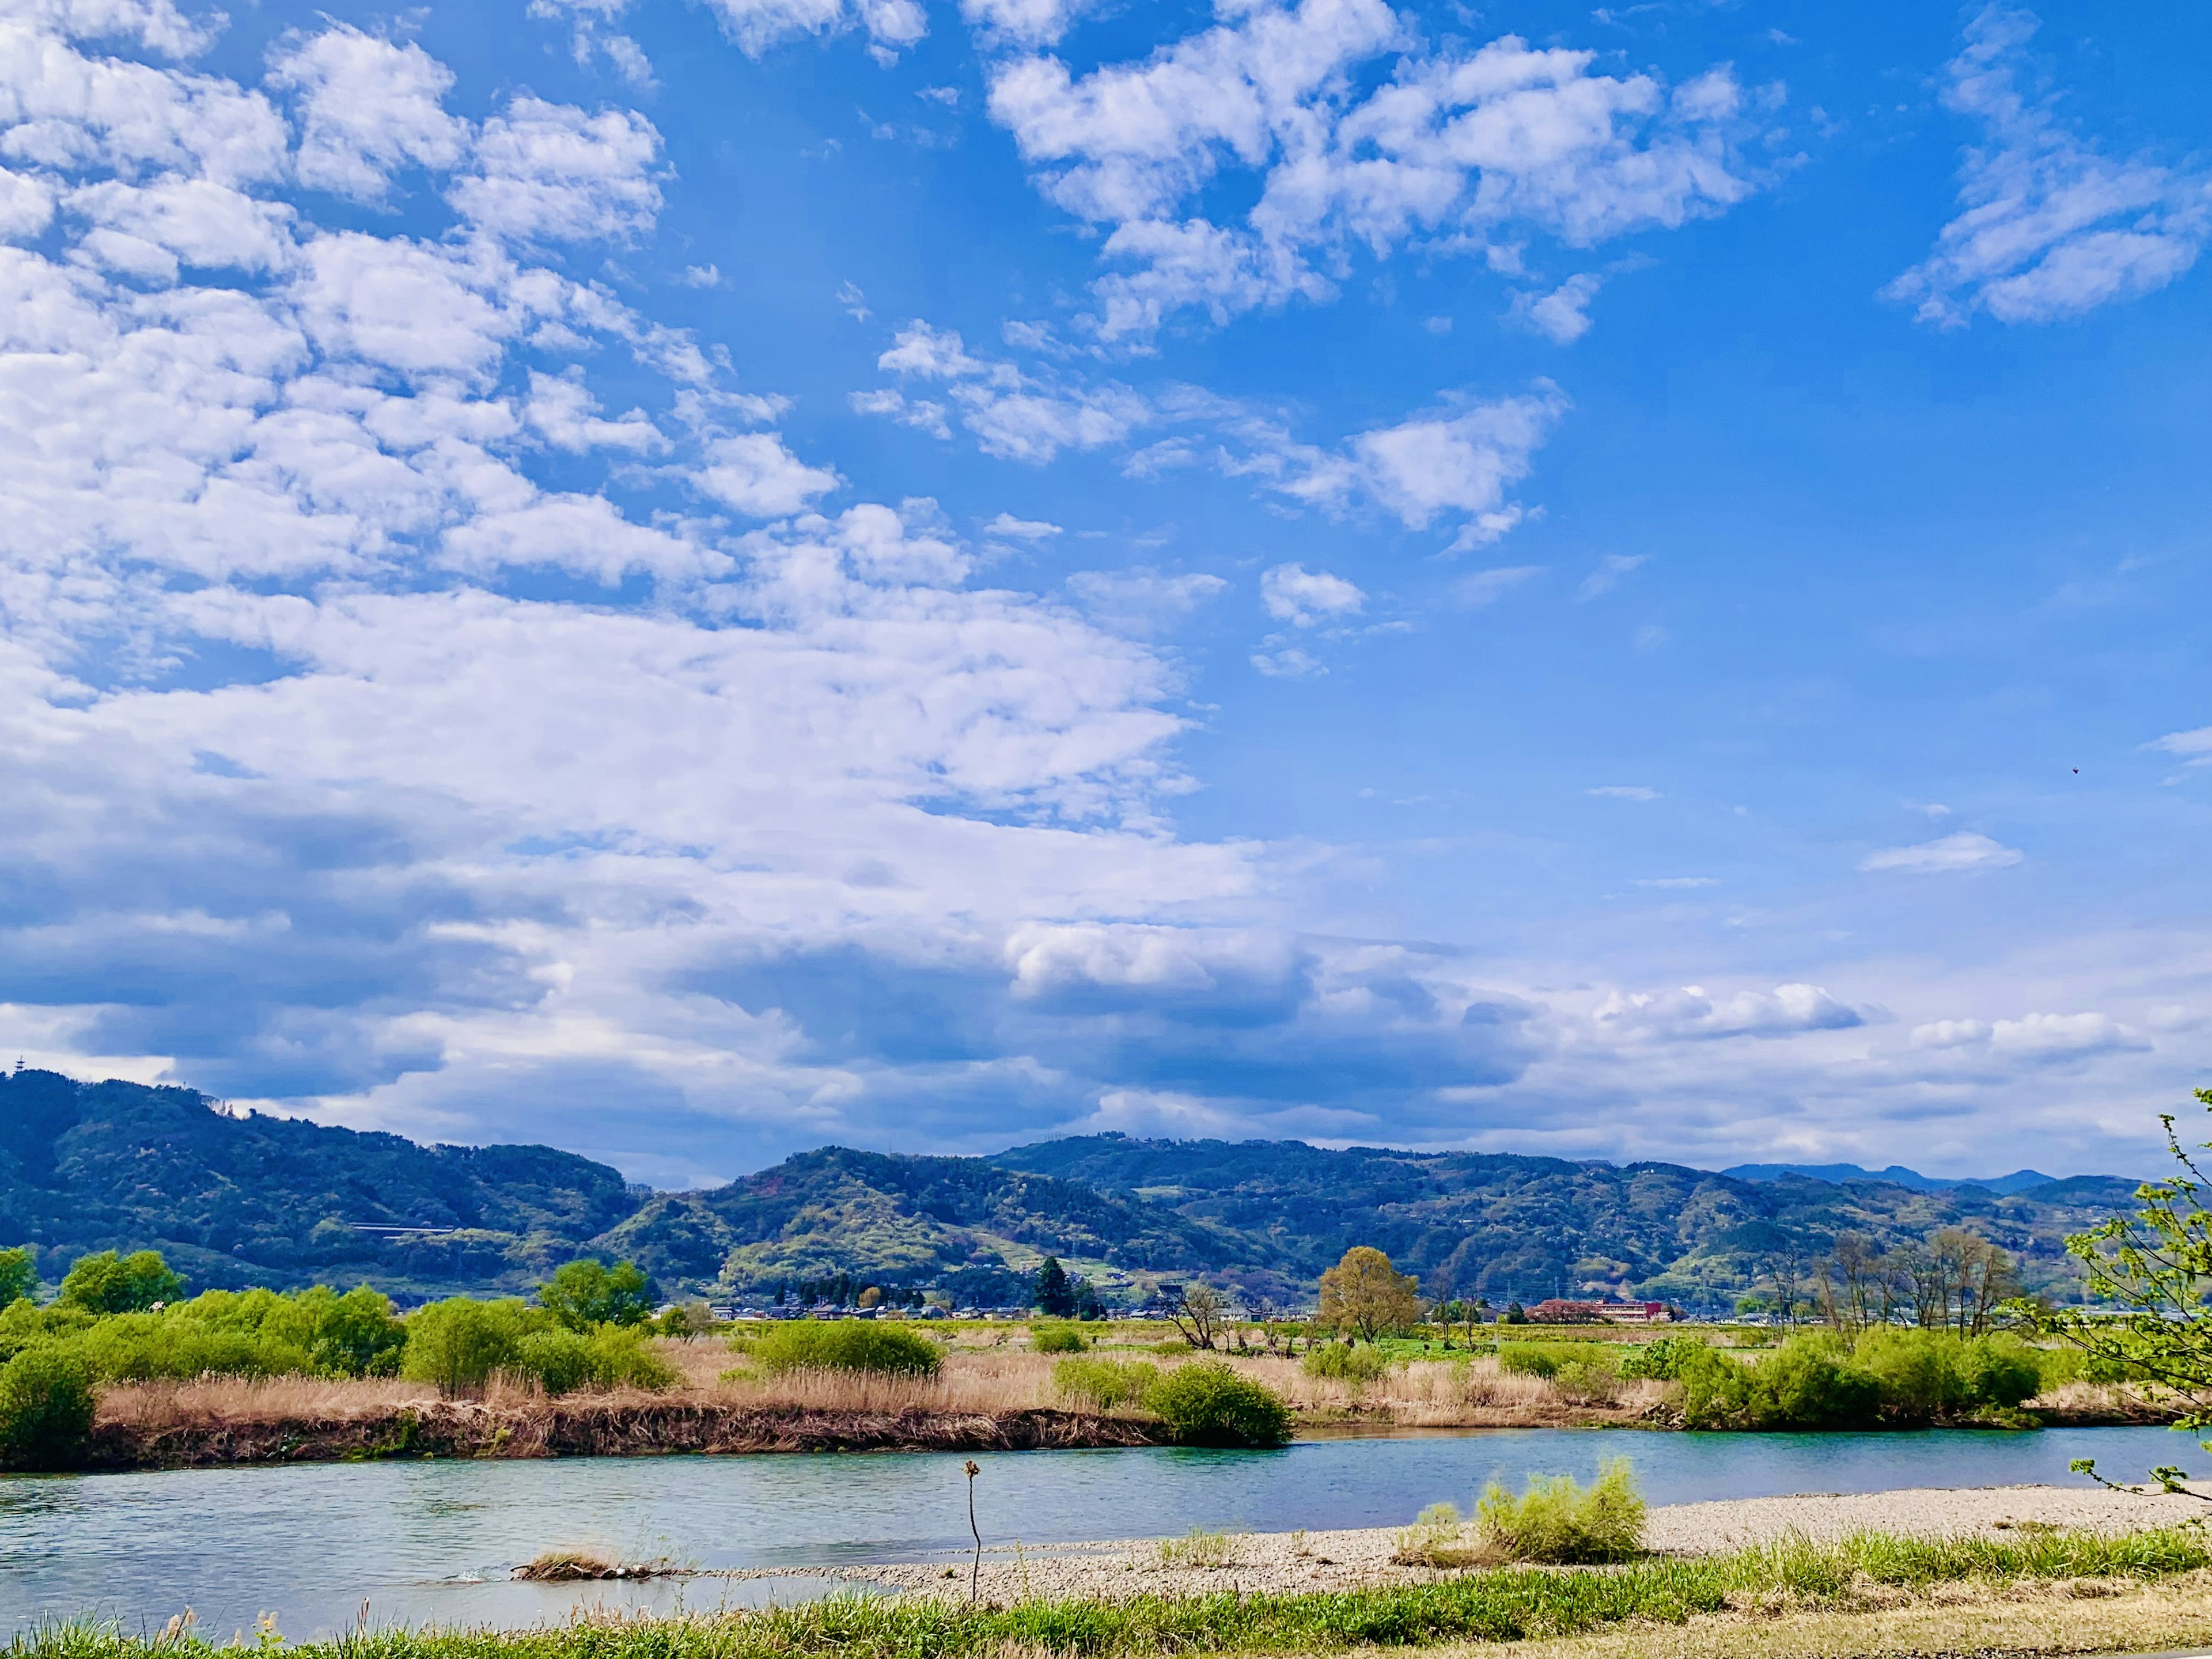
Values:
[(692, 580)]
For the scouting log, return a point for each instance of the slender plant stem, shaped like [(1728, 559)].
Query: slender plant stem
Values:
[(974, 1571)]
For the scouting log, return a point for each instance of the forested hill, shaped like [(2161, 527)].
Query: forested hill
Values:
[(271, 1200), (235, 1201)]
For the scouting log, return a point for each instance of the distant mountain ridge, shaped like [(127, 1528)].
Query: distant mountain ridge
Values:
[(256, 1199), (1896, 1175)]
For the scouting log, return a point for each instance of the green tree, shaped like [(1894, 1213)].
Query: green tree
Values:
[(357, 1334), (1052, 1294), (19, 1276), (458, 1343), (107, 1284), (588, 1292), (46, 1408), (1366, 1296), (2152, 1271)]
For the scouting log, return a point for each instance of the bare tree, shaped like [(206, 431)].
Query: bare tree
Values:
[(1198, 1313)]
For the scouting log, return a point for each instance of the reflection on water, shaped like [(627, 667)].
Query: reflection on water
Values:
[(435, 1540)]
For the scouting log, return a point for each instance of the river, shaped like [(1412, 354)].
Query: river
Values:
[(434, 1541)]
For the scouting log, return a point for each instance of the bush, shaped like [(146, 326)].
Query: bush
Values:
[(1205, 1403), (587, 1294), (107, 1284), (620, 1360), (1808, 1385), (1104, 1384), (45, 1409), (19, 1276), (1340, 1361), (1556, 1521), (846, 1346), (458, 1343), (558, 1360), (1660, 1361), (1057, 1338), (1530, 1359)]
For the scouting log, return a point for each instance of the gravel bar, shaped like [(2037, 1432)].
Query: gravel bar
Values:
[(1249, 1562)]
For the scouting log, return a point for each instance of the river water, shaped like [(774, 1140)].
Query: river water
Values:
[(433, 1541)]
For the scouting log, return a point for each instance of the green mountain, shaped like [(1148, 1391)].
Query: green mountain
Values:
[(268, 1200), (237, 1201)]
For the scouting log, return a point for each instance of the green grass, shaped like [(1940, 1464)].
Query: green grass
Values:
[(1508, 1605)]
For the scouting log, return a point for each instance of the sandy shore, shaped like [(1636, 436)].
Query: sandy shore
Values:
[(1249, 1562)]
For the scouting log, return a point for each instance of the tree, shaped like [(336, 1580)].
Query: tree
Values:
[(107, 1284), (19, 1276), (1365, 1295), (1515, 1314), (1052, 1293), (587, 1294), (2152, 1271), (458, 1343), (1197, 1313)]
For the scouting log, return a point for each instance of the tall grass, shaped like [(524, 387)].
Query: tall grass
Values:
[(1508, 1605)]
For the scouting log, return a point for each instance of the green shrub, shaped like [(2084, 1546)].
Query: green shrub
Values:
[(1205, 1403), (843, 1345), (1530, 1359), (557, 1360), (620, 1360), (458, 1343), (1660, 1361), (587, 1294), (107, 1284), (19, 1276), (1807, 1384), (1342, 1362), (1057, 1338), (1557, 1522), (1104, 1384), (45, 1409), (2001, 1370)]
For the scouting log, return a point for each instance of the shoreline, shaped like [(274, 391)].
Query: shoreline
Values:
[(1297, 1562), (652, 1425)]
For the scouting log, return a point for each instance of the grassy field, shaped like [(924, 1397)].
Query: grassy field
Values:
[(1851, 1597)]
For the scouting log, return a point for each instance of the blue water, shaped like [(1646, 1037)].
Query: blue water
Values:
[(424, 1542)]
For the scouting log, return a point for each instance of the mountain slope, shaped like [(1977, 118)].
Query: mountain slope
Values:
[(259, 1199)]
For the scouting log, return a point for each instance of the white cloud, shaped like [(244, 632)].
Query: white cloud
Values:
[(759, 25), (1693, 1013), (1023, 22), (1562, 315), (707, 275), (2195, 747), (1966, 850), (1304, 597), (551, 172), (1449, 147), (1624, 792), (1015, 417), (2049, 227), (1487, 586), (757, 473), (1607, 577), (1461, 460), (1009, 527), (1289, 663), (1142, 601), (367, 108), (1679, 881), (565, 413), (2031, 1037)]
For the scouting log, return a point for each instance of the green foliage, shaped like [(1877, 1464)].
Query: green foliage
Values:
[(1057, 1338), (1104, 1384), (109, 1284), (1557, 1522), (1342, 1362), (1053, 1293), (1660, 1361), (45, 1409), (1530, 1359), (1903, 1378), (561, 1361), (587, 1292), (458, 1343), (19, 1276), (1206, 1403), (846, 1345)]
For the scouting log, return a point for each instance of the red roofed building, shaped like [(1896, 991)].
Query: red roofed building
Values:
[(1560, 1312)]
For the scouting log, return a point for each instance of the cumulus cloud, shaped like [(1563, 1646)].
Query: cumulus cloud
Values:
[(1448, 147), (1693, 1013), (1966, 851), (758, 25), (757, 473), (552, 172), (1304, 597), (1562, 315), (1141, 600), (1013, 415), (2049, 227), (367, 106)]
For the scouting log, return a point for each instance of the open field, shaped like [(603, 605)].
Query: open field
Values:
[(993, 1393)]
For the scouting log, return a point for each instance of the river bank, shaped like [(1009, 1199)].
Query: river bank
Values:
[(985, 1398), (1306, 1563)]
